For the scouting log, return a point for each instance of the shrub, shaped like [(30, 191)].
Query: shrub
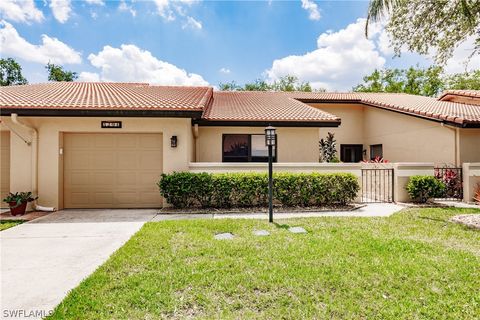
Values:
[(185, 189), (422, 188)]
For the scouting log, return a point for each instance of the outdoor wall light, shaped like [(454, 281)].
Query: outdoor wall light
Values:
[(173, 141), (270, 139)]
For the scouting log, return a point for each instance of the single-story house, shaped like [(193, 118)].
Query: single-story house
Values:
[(96, 145)]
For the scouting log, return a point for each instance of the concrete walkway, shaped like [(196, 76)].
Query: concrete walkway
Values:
[(42, 260), (369, 210)]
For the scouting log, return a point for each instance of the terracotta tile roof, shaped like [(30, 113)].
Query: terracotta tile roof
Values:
[(431, 108), (463, 93), (227, 106), (262, 106), (104, 96)]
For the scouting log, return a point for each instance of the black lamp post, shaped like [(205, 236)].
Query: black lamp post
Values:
[(270, 140)]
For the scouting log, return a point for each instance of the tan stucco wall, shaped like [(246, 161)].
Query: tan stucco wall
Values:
[(404, 138), (470, 145), (350, 130), (50, 131), (294, 144)]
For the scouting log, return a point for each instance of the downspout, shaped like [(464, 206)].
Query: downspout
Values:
[(34, 163), (195, 137), (456, 132)]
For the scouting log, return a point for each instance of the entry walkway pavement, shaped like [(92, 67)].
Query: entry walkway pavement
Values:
[(42, 260), (369, 210)]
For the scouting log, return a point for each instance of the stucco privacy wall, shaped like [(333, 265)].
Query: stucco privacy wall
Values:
[(471, 179), (294, 144), (403, 137), (470, 145), (50, 130)]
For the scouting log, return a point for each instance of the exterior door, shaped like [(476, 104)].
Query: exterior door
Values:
[(112, 170)]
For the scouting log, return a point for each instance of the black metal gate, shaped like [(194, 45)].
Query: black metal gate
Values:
[(452, 178), (377, 185)]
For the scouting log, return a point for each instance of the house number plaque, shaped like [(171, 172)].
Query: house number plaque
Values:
[(111, 124)]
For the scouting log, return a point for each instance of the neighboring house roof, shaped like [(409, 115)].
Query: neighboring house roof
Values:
[(104, 96), (452, 112), (462, 96), (464, 93), (208, 107), (241, 106)]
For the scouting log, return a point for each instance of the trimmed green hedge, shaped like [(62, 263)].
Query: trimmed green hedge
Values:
[(422, 188), (186, 189)]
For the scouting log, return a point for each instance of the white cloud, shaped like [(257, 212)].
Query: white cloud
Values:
[(88, 77), (340, 61), (169, 10), (51, 49), (312, 8), (192, 23), (20, 11), (97, 2), (461, 60), (164, 9), (61, 9), (132, 64), (123, 6), (224, 70)]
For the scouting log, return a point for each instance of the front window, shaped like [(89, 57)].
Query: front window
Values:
[(246, 148), (351, 152)]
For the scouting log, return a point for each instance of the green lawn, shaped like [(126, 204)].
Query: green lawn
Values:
[(413, 265), (5, 224)]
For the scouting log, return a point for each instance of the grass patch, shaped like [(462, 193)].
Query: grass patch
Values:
[(5, 224), (413, 265)]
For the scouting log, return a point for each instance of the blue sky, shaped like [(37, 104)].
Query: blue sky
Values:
[(197, 42)]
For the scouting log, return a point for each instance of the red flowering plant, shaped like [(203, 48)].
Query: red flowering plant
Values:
[(377, 159), (452, 181)]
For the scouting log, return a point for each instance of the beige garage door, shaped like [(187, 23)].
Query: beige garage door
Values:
[(4, 165), (112, 170)]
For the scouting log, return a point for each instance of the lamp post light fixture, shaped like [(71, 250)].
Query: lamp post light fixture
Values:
[(270, 140)]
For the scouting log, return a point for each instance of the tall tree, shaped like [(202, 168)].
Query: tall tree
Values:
[(57, 73), (426, 82), (464, 81), (285, 83), (11, 73), (426, 26)]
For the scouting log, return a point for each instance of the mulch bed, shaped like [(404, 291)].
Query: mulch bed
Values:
[(469, 220), (260, 209)]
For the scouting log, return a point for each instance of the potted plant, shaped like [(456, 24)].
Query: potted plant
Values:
[(18, 202)]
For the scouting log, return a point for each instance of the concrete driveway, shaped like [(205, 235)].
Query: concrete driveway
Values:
[(42, 260)]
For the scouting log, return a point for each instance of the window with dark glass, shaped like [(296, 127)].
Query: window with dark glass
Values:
[(246, 148), (376, 150), (351, 152)]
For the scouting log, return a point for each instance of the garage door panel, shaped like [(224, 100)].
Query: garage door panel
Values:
[(104, 141), (78, 179), (80, 160), (150, 142), (128, 142), (128, 160), (127, 179), (115, 170)]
